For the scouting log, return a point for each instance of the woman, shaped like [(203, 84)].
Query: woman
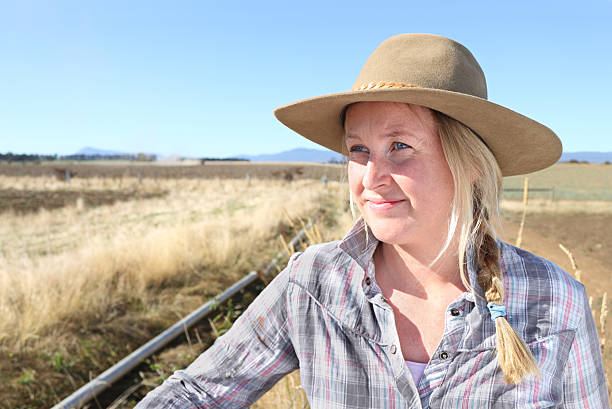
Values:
[(419, 305)]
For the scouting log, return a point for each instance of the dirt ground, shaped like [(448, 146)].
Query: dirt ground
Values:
[(28, 201), (587, 236), (280, 170)]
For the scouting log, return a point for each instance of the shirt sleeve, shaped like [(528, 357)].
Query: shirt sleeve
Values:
[(584, 380), (242, 364)]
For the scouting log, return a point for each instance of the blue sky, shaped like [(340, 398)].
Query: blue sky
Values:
[(201, 78)]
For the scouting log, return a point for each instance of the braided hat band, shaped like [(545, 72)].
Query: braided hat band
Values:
[(383, 84)]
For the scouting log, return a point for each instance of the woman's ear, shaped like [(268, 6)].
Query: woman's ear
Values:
[(473, 177)]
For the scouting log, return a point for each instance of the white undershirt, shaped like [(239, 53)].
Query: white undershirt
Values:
[(417, 369)]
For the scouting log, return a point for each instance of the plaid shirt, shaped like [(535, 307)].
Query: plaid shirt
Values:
[(322, 316)]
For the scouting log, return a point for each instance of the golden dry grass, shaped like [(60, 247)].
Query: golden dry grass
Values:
[(77, 260), (286, 394)]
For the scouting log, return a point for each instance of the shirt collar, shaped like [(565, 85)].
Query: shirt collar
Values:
[(359, 243), (360, 246)]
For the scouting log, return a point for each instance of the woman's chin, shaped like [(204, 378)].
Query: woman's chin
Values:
[(391, 232)]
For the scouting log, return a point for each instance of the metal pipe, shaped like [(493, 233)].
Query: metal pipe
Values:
[(94, 387), (97, 385)]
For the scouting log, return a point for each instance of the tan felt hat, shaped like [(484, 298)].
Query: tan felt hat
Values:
[(438, 73)]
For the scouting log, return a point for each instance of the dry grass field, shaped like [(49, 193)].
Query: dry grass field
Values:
[(92, 269), (83, 283), (130, 245)]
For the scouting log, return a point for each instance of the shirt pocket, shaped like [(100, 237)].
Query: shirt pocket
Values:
[(474, 378)]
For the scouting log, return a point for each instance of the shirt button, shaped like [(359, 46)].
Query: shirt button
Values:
[(455, 312), (443, 355), (368, 281), (393, 349)]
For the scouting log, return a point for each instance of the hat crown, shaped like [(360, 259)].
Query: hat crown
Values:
[(425, 61)]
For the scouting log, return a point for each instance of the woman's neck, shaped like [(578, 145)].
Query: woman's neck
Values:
[(409, 269)]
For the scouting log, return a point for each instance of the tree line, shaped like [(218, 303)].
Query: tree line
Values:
[(36, 158)]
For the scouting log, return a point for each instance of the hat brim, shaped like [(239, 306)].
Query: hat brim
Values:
[(520, 144)]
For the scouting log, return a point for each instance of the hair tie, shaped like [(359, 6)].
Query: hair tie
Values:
[(496, 310)]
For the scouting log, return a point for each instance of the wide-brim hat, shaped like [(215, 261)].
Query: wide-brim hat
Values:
[(438, 73)]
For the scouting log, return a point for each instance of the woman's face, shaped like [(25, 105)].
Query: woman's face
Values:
[(398, 173)]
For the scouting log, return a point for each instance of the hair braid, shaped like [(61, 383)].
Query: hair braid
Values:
[(515, 358), (490, 275)]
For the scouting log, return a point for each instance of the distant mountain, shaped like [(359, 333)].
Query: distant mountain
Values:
[(296, 155), (95, 151), (592, 157)]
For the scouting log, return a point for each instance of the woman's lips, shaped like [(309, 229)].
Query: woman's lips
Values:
[(382, 205)]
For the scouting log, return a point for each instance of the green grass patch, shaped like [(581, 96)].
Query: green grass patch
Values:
[(569, 181)]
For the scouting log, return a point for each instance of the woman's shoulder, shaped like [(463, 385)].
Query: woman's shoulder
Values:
[(329, 275), (320, 262), (524, 264), (538, 289)]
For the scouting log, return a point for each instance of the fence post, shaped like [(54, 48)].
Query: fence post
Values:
[(519, 237), (68, 176), (248, 179), (324, 180)]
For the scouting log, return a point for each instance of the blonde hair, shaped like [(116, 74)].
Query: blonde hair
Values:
[(475, 216)]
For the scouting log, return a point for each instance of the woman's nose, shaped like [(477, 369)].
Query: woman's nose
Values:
[(377, 173)]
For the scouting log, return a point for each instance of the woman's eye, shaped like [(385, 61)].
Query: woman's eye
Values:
[(400, 145), (358, 148)]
